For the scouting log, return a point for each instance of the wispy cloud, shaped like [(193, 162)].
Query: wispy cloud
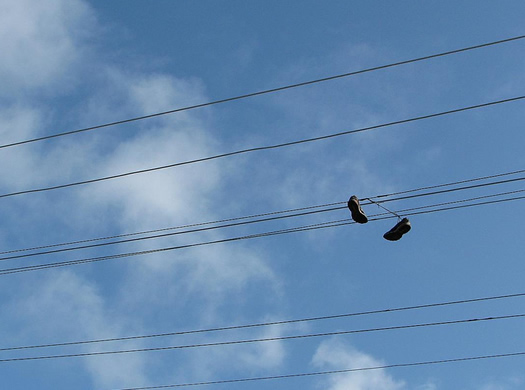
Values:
[(163, 292), (335, 355), (69, 307), (39, 42)]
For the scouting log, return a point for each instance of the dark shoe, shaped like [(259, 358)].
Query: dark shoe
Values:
[(357, 214), (397, 231)]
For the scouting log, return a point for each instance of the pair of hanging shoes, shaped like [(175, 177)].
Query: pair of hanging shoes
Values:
[(359, 216)]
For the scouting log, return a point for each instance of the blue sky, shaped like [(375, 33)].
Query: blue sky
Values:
[(69, 64)]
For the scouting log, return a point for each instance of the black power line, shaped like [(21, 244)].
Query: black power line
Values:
[(453, 190), (267, 339), (262, 214), (174, 228), (272, 323), (431, 187), (332, 372), (261, 148), (273, 218), (201, 229), (342, 222), (263, 92)]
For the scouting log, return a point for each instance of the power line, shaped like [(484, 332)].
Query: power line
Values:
[(411, 210), (6, 271), (272, 323), (259, 340), (342, 222), (261, 214), (170, 228), (317, 226), (431, 187), (332, 372), (272, 218), (463, 206), (261, 148), (173, 233), (454, 189), (263, 92)]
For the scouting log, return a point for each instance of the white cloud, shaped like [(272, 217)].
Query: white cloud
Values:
[(42, 42), (198, 282), (232, 360), (39, 42), (67, 307), (174, 196), (335, 355)]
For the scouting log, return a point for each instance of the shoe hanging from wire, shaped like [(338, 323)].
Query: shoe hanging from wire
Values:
[(358, 214)]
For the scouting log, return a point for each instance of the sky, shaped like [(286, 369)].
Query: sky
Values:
[(73, 64)]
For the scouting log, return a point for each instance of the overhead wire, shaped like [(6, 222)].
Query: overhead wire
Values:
[(262, 148), (331, 372), (431, 187), (493, 176), (265, 339), (270, 323), (472, 186), (201, 229), (169, 228), (263, 92), (267, 219), (317, 226), (450, 202), (412, 212)]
